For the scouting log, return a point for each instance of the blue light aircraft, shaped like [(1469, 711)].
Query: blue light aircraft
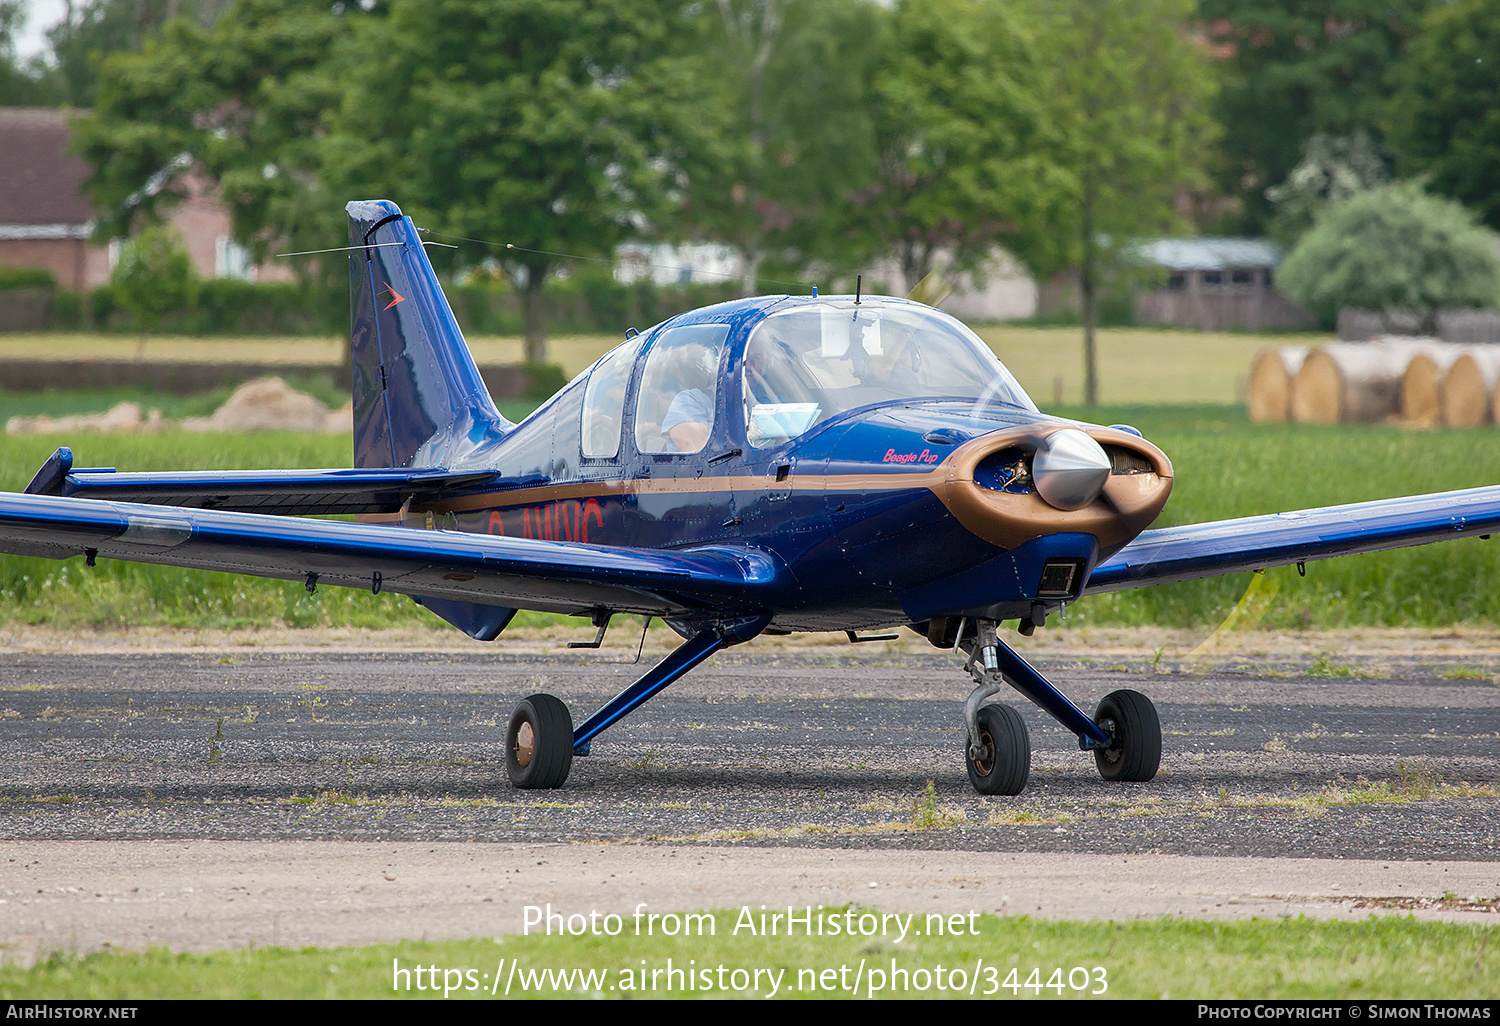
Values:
[(777, 464)]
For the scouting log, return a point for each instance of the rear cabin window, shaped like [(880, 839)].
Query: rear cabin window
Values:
[(604, 401), (675, 409)]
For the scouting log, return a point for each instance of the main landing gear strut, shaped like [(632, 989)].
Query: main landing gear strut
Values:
[(1124, 735), (540, 742)]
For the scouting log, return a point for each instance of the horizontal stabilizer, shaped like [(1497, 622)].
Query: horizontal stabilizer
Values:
[(1280, 539), (282, 492)]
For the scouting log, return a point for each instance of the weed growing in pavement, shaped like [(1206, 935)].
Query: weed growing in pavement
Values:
[(927, 814)]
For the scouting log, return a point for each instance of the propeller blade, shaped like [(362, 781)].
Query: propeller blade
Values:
[(931, 290), (1222, 645)]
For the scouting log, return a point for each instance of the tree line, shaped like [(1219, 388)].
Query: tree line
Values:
[(815, 137)]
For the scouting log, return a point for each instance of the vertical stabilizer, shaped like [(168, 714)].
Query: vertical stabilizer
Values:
[(418, 397)]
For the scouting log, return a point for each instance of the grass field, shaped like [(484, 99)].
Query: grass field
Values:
[(1225, 467), (1010, 958), (62, 402), (1137, 365)]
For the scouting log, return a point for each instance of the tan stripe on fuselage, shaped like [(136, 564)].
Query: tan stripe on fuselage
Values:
[(684, 486), (1126, 506)]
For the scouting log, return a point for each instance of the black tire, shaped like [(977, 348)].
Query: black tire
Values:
[(1008, 765), (1130, 719), (539, 743)]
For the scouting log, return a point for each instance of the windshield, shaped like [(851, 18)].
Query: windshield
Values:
[(817, 360)]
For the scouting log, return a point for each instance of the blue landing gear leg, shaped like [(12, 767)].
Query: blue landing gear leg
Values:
[(1124, 735), (543, 722)]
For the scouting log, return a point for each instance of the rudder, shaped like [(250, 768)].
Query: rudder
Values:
[(418, 396)]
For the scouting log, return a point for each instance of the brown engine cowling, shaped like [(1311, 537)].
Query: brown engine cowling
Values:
[(1007, 510)]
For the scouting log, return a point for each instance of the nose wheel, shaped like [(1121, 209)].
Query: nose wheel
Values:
[(999, 758)]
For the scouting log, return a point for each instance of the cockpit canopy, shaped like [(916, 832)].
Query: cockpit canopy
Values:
[(801, 366), (814, 361)]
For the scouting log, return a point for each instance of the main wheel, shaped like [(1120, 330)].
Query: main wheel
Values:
[(1004, 762), (539, 743), (1134, 752)]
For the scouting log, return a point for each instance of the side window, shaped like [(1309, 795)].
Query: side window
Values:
[(604, 401), (675, 410)]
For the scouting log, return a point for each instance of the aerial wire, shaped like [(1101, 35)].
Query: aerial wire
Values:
[(610, 260)]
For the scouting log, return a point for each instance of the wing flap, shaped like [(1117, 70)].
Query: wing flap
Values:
[(564, 577), (1279, 539)]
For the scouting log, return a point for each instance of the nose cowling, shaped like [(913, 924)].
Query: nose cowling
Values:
[(1014, 484), (1069, 469)]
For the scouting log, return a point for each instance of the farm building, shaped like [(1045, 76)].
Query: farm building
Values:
[(1217, 284)]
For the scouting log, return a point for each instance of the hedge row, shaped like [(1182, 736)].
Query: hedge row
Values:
[(582, 304), (15, 278)]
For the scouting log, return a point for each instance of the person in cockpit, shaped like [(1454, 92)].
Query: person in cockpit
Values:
[(686, 424)]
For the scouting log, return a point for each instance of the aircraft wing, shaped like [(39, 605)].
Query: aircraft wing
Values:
[(1279, 539), (553, 576), (285, 492)]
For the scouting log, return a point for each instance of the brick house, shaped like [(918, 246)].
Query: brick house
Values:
[(46, 220)]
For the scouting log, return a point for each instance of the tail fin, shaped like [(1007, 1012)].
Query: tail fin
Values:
[(418, 397)]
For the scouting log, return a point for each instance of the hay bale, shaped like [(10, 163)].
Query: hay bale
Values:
[(1469, 387), (1353, 382), (1422, 383), (1271, 382)]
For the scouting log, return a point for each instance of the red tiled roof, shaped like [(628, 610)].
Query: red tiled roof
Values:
[(40, 181)]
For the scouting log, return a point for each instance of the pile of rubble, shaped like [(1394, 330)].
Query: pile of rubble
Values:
[(266, 404)]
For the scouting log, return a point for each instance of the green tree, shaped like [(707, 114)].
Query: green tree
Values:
[(22, 84), (962, 161), (153, 278), (1332, 169), (1129, 93), (549, 126), (92, 30), (1393, 249), (789, 131), (1445, 122), (1291, 69), (243, 101)]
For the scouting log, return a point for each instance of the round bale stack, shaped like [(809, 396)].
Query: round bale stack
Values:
[(1271, 382), (1470, 386), (1353, 382), (1422, 383)]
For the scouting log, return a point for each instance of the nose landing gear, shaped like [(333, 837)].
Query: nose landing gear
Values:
[(1000, 763), (1124, 735)]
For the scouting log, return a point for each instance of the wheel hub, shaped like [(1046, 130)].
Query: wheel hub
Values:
[(983, 754), (1113, 752), (525, 744)]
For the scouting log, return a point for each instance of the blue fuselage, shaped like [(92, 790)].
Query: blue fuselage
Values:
[(854, 509)]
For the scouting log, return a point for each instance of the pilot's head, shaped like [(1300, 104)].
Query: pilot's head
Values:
[(694, 366)]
